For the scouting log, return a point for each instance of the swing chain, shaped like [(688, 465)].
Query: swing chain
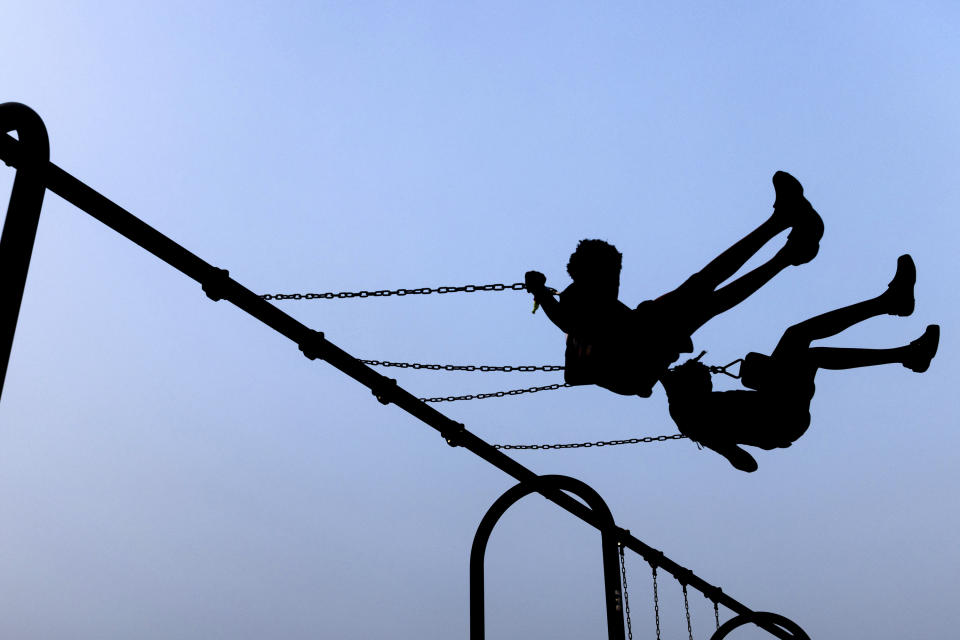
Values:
[(626, 595), (587, 445), (656, 601), (382, 293), (716, 614), (496, 394), (463, 367), (686, 607)]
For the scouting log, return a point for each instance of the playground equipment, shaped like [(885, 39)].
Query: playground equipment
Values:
[(28, 153)]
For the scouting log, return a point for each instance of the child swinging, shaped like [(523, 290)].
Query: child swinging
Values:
[(777, 410), (626, 350)]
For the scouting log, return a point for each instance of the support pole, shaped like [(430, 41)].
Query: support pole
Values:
[(23, 216)]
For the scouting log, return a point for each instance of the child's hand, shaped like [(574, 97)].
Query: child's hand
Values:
[(534, 281)]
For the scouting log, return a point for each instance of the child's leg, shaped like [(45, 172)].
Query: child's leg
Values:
[(743, 287), (896, 300), (839, 358), (791, 209), (799, 336), (730, 261), (915, 356)]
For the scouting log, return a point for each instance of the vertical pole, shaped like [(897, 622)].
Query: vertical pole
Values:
[(23, 216)]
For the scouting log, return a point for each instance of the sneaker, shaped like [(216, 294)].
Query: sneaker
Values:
[(803, 243), (788, 189), (921, 351), (899, 293), (736, 456)]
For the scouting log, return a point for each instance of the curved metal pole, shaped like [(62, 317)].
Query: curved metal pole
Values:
[(763, 619), (608, 543), (23, 216)]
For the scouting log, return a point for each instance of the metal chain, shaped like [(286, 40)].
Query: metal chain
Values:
[(496, 394), (716, 614), (626, 595), (686, 607), (382, 293), (587, 445), (464, 367), (656, 601)]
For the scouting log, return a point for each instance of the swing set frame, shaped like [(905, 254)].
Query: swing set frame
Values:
[(29, 153)]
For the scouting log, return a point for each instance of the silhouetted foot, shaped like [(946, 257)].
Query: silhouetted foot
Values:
[(795, 211), (921, 351), (899, 294), (739, 458)]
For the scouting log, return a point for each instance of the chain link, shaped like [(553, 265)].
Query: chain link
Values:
[(496, 394), (587, 445), (626, 595), (383, 293), (686, 607), (464, 367), (656, 601), (716, 614)]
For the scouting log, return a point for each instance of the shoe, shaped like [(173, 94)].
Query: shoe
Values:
[(736, 456), (900, 290), (803, 243), (922, 350), (788, 189)]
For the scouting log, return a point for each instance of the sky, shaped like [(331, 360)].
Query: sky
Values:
[(171, 468)]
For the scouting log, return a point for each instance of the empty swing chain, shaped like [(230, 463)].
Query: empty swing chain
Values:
[(626, 596), (686, 607), (383, 293), (656, 601)]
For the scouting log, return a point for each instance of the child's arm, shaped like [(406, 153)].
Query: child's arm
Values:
[(536, 284)]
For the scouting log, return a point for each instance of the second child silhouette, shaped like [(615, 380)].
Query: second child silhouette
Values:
[(776, 411)]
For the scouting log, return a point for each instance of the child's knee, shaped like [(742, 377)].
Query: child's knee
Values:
[(795, 338)]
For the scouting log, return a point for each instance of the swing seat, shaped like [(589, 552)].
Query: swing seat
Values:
[(628, 368), (604, 365), (755, 369)]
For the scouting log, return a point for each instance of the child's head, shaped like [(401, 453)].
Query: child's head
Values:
[(692, 378), (596, 263)]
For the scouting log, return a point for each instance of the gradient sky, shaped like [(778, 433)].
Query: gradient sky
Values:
[(170, 468)]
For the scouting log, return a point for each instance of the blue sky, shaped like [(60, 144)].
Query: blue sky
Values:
[(171, 468)]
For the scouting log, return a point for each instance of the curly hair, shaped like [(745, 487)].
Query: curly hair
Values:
[(594, 259), (690, 378)]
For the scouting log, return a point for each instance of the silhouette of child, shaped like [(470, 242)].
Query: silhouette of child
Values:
[(627, 350), (777, 411)]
